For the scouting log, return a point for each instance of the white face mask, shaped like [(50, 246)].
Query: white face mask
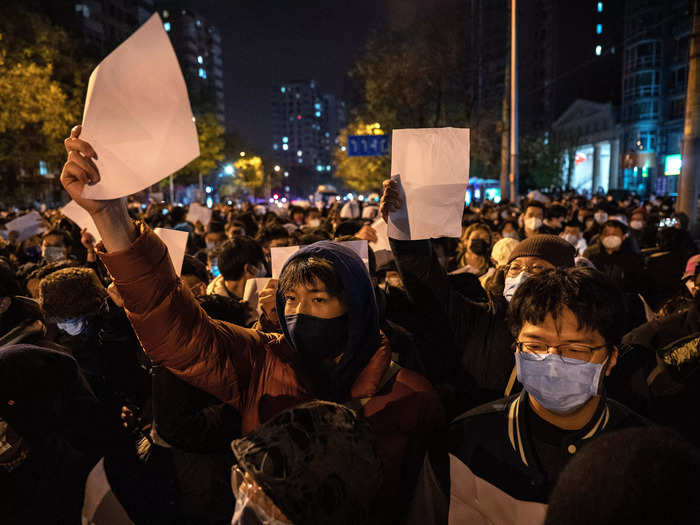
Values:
[(571, 238), (73, 326), (533, 223), (53, 253), (211, 245), (611, 242), (513, 283), (636, 225), (600, 217), (511, 235), (314, 223)]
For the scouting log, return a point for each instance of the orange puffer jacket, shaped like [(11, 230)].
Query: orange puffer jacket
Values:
[(255, 371)]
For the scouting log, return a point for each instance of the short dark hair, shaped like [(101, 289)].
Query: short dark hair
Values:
[(534, 204), (177, 215), (272, 231), (574, 224), (305, 269), (654, 480), (234, 254), (594, 299), (223, 308), (55, 232), (613, 223), (555, 211), (349, 227), (193, 266), (9, 283)]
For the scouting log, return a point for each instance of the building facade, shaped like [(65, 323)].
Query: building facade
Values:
[(648, 126), (197, 44), (305, 126)]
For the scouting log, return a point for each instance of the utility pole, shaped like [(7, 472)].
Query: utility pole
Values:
[(513, 102), (505, 136), (201, 188), (690, 170)]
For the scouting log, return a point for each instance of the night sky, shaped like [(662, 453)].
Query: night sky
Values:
[(265, 42)]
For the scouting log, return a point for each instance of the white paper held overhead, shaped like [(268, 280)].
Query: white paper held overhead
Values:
[(26, 226), (253, 287), (176, 241), (432, 168), (79, 216), (137, 115), (197, 212), (280, 254)]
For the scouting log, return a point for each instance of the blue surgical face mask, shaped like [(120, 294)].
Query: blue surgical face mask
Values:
[(73, 326), (559, 384), (512, 284)]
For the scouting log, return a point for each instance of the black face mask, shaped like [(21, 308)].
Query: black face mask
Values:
[(316, 338), (478, 246)]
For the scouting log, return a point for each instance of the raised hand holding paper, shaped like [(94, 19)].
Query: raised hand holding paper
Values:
[(432, 168), (137, 115), (176, 241), (79, 216)]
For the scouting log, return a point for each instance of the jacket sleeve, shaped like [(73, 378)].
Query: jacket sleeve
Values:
[(217, 357)]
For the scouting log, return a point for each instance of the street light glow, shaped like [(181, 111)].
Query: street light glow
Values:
[(277, 168), (242, 153), (228, 169)]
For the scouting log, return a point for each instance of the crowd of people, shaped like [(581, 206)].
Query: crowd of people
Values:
[(539, 369)]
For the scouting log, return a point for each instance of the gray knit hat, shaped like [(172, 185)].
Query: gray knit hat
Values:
[(318, 462), (71, 292), (551, 248)]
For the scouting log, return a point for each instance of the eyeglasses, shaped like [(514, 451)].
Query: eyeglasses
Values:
[(574, 354), (515, 269)]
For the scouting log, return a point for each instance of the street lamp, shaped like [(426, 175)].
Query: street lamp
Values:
[(228, 169), (277, 168), (242, 153)]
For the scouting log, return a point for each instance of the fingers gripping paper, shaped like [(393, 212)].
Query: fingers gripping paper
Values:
[(432, 168), (137, 115)]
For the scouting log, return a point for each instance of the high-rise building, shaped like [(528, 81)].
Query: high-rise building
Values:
[(655, 79), (102, 24), (305, 126), (197, 44)]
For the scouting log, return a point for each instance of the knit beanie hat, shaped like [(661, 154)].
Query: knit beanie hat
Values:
[(318, 462), (551, 248), (71, 292)]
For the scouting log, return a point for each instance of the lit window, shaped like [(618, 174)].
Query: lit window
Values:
[(275, 146), (200, 60), (286, 174), (166, 14), (283, 89), (599, 29), (328, 168), (600, 7), (598, 50), (285, 147), (43, 170), (318, 114), (299, 153), (166, 26), (199, 24), (285, 139), (319, 168), (202, 73), (317, 105)]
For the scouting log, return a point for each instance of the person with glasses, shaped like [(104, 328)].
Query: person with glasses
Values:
[(471, 361), (503, 458)]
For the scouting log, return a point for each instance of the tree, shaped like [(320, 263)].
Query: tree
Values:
[(540, 162), (42, 85), (211, 149), (250, 173), (360, 173)]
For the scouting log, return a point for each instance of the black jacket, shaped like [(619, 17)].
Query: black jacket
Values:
[(472, 355), (658, 388), (494, 443), (624, 267)]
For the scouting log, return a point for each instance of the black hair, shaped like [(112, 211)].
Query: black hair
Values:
[(574, 224), (234, 254), (193, 266), (177, 215), (216, 227), (238, 224), (272, 231), (556, 211), (614, 223), (305, 269), (55, 232), (505, 223), (9, 283), (596, 302), (654, 480), (224, 308), (534, 204), (349, 227)]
